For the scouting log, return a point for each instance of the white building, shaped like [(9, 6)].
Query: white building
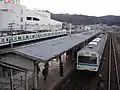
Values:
[(25, 19), (87, 28)]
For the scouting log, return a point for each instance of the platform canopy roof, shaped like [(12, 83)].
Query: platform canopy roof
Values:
[(46, 50)]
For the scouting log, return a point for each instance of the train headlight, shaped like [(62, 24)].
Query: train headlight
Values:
[(78, 66), (93, 69)]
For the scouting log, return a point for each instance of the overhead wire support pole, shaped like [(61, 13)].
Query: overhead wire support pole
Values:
[(11, 33), (70, 29)]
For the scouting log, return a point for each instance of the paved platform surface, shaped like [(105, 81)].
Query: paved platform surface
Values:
[(53, 78)]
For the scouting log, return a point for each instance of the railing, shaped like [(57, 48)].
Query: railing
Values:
[(19, 80)]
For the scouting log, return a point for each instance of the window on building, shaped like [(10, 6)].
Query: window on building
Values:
[(6, 10), (21, 11), (21, 19), (35, 19), (29, 18)]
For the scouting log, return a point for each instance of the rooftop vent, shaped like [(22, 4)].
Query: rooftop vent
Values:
[(92, 44)]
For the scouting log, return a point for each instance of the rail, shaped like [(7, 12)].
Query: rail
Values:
[(109, 67), (116, 65), (112, 56)]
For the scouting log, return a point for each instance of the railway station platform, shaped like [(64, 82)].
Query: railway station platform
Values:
[(54, 78), (29, 57)]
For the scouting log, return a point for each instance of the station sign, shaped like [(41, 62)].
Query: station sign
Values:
[(10, 1)]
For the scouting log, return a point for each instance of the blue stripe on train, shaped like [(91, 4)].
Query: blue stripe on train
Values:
[(87, 64)]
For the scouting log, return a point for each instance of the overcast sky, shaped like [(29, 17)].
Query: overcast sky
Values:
[(86, 7)]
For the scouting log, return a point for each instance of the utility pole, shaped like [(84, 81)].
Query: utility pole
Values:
[(10, 26), (70, 28), (25, 26)]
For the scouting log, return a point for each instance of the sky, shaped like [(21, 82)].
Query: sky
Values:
[(85, 7)]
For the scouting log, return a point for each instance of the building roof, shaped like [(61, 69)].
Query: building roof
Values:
[(49, 49), (96, 40), (96, 48), (93, 43)]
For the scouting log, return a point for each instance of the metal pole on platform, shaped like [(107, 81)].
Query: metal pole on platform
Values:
[(70, 28), (35, 75), (25, 26), (11, 79), (26, 81)]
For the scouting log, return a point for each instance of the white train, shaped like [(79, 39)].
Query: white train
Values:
[(90, 56), (6, 40)]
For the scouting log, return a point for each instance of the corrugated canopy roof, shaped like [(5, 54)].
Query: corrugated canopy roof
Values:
[(49, 49)]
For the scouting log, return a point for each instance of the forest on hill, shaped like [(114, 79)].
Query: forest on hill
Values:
[(86, 20)]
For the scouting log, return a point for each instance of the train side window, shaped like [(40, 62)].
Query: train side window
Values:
[(19, 38), (2, 40), (40, 35), (23, 37), (48, 33), (33, 36), (7, 39), (15, 38), (27, 37)]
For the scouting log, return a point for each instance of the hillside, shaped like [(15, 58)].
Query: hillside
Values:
[(87, 20)]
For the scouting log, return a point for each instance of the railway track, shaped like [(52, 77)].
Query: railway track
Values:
[(79, 80), (113, 72), (111, 63), (109, 69)]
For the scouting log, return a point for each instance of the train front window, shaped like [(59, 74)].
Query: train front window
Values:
[(87, 59)]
